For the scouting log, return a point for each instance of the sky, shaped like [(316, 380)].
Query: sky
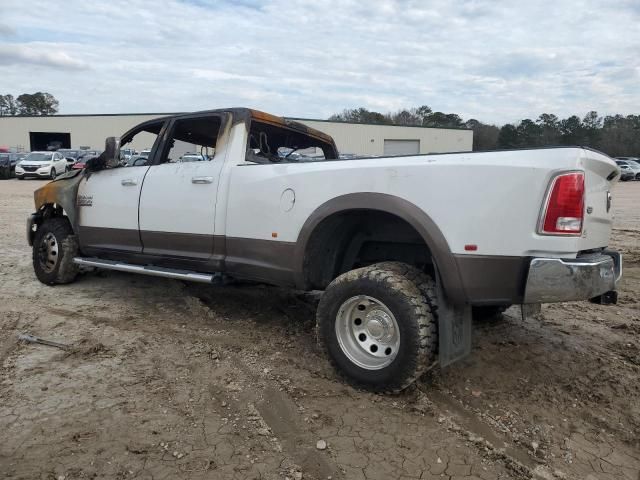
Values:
[(496, 61)]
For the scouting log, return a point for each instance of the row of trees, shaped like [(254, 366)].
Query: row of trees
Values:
[(39, 103), (616, 135)]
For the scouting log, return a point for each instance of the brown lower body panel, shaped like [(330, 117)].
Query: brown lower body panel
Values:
[(491, 279), (268, 261), (110, 239), (485, 280), (192, 245)]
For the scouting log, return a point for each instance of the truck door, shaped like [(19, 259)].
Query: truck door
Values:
[(108, 199), (178, 199)]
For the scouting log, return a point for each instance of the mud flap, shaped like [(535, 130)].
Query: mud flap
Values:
[(454, 327), (530, 310)]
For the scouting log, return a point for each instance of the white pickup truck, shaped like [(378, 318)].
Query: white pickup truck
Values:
[(403, 247)]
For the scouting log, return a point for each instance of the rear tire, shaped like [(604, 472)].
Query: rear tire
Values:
[(377, 328), (54, 247)]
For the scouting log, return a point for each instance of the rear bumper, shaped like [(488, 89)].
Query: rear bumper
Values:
[(561, 280)]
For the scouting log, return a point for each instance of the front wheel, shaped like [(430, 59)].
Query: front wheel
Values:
[(52, 175), (54, 247), (377, 328)]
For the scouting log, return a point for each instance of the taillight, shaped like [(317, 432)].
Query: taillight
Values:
[(564, 211)]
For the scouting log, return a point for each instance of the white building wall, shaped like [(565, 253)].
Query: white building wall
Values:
[(360, 139), (366, 139)]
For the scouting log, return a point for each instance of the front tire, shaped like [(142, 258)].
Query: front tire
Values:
[(54, 247), (377, 328), (52, 174)]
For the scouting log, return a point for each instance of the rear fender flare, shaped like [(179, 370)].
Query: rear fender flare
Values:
[(416, 217)]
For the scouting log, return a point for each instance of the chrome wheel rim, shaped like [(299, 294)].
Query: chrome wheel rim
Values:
[(367, 332), (48, 252)]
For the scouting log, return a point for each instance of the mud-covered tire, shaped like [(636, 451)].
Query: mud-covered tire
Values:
[(426, 284), (416, 322), (63, 270)]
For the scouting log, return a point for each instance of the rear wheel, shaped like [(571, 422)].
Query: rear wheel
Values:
[(377, 328), (54, 247)]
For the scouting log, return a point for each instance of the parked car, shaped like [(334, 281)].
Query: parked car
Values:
[(71, 155), (137, 161), (126, 154), (41, 165), (7, 169), (8, 162), (633, 166), (193, 157), (401, 246), (81, 162), (626, 173)]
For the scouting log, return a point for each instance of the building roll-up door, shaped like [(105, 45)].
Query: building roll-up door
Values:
[(401, 147)]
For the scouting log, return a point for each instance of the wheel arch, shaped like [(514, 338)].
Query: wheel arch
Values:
[(60, 193), (411, 214)]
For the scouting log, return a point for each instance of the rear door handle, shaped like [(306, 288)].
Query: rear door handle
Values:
[(128, 182), (201, 180)]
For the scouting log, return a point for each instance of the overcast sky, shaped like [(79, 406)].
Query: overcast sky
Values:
[(485, 59)]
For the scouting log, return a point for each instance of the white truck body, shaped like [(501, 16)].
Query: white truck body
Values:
[(476, 222)]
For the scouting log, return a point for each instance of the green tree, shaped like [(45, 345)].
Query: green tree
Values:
[(485, 137), (591, 128), (360, 115), (529, 133), (571, 131), (550, 129), (39, 103), (443, 120), (508, 136), (8, 105)]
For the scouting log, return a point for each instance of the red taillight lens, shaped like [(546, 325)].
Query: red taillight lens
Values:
[(564, 211)]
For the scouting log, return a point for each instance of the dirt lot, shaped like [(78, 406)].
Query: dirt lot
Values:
[(170, 380)]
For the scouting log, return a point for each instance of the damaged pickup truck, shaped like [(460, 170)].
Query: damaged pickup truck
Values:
[(403, 247)]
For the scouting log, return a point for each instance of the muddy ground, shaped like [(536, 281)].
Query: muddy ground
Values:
[(171, 380)]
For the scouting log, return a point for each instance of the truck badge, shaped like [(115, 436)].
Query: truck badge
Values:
[(85, 200)]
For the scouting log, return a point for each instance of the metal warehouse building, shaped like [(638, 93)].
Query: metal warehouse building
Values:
[(24, 133)]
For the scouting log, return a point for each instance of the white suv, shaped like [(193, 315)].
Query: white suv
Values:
[(42, 165)]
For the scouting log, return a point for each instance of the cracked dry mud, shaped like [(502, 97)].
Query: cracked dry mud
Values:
[(171, 380)]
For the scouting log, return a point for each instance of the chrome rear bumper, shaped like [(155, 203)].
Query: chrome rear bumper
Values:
[(561, 280)]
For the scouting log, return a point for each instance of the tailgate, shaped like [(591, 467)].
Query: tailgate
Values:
[(601, 174)]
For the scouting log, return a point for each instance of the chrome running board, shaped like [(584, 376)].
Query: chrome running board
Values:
[(187, 275)]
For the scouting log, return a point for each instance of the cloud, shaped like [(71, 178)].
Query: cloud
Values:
[(478, 58), (11, 54), (6, 30)]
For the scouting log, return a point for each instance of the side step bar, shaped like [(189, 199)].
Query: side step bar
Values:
[(144, 269)]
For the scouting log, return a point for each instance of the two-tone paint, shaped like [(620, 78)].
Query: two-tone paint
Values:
[(255, 221)]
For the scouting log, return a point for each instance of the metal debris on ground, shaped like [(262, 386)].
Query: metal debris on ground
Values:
[(25, 337)]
